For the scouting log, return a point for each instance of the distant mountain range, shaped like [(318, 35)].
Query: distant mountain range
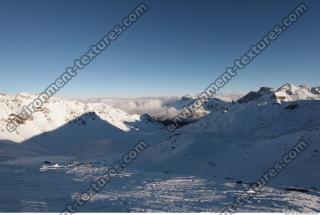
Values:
[(235, 138)]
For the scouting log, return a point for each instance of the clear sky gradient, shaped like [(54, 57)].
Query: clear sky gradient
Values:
[(176, 48)]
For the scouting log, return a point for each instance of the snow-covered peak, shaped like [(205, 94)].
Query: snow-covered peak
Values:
[(290, 92), (54, 114), (263, 92), (187, 98), (315, 90), (286, 93)]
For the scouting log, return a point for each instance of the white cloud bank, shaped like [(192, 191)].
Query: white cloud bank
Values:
[(159, 107)]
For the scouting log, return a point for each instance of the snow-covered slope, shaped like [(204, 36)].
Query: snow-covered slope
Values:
[(245, 139), (201, 166), (286, 93), (233, 139), (54, 114), (290, 92)]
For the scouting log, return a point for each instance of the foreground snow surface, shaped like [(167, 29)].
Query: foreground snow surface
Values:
[(32, 189)]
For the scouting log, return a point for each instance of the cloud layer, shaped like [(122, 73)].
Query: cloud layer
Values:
[(159, 107)]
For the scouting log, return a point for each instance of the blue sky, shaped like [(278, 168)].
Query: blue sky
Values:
[(176, 48)]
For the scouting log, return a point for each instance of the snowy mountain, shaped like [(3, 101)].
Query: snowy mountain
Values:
[(286, 93), (231, 141), (243, 139), (55, 113)]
